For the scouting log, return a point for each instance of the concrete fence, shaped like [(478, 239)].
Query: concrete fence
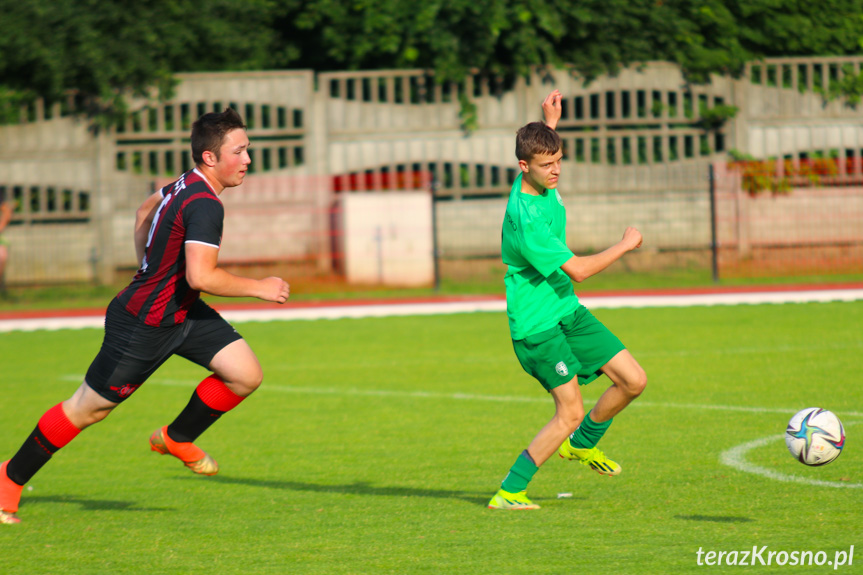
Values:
[(636, 152)]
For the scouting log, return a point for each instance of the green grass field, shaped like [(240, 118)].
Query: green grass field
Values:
[(374, 445)]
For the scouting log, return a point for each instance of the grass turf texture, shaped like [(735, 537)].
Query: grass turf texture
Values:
[(374, 445)]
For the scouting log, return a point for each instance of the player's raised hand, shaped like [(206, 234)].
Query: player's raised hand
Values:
[(551, 109), (632, 238), (275, 289)]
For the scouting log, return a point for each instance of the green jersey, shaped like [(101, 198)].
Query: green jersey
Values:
[(533, 246)]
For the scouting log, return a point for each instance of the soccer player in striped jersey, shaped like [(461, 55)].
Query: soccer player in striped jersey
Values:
[(178, 232)]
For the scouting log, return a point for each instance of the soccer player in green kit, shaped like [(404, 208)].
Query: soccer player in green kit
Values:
[(556, 339)]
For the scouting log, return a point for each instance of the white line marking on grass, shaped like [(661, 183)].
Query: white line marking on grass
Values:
[(736, 458), (353, 391), (489, 305), (741, 408), (724, 351)]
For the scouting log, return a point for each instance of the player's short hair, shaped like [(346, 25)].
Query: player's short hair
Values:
[(208, 132), (535, 138)]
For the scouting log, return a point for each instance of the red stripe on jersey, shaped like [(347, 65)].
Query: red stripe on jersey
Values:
[(169, 257), (160, 294), (186, 304), (142, 294)]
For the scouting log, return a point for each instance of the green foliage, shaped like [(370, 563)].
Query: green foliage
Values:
[(106, 50), (792, 28), (849, 86), (712, 119), (756, 180), (592, 36), (502, 38), (467, 114), (738, 156), (100, 52), (781, 176), (11, 102)]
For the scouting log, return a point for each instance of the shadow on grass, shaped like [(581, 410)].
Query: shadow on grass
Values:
[(358, 488), (90, 504), (715, 518)]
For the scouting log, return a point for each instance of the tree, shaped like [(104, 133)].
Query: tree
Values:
[(102, 51), (107, 49), (592, 36)]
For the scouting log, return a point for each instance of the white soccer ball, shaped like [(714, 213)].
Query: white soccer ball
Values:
[(815, 436)]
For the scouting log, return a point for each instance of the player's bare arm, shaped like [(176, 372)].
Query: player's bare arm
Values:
[(143, 220), (551, 109), (581, 268), (203, 274)]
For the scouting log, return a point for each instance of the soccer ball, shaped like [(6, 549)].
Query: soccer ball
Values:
[(815, 436)]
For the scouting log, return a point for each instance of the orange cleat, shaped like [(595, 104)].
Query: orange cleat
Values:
[(10, 496), (190, 454)]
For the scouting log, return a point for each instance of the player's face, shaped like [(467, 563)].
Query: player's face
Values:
[(543, 170), (234, 160)]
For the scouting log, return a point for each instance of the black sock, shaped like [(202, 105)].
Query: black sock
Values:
[(194, 420), (31, 456)]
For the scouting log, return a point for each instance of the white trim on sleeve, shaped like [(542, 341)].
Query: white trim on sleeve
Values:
[(202, 243)]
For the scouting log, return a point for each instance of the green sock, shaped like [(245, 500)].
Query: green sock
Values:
[(519, 474), (588, 433)]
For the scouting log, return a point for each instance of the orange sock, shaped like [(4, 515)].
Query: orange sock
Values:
[(10, 492)]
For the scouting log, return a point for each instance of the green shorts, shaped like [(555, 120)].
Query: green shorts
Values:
[(578, 346)]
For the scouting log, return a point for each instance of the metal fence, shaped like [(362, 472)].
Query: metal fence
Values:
[(788, 218)]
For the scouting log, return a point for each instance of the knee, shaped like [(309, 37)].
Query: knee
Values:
[(636, 383), (83, 418), (572, 418), (246, 384), (256, 380), (85, 407), (96, 416)]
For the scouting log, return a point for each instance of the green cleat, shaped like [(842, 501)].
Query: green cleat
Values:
[(506, 500), (593, 458)]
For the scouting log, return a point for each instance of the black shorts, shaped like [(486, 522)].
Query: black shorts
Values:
[(133, 350)]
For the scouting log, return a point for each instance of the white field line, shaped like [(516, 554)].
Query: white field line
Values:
[(492, 305), (736, 458), (518, 399), (457, 396)]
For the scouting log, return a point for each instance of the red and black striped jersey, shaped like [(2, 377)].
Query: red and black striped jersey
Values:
[(190, 211)]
